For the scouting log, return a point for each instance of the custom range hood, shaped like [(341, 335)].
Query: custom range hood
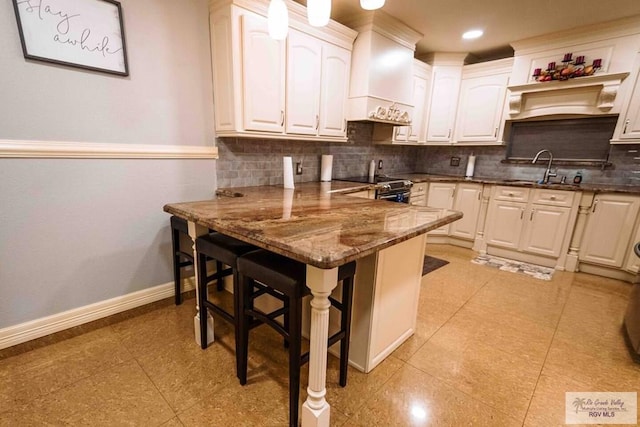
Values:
[(381, 70)]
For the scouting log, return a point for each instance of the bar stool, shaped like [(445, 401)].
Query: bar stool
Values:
[(181, 257), (225, 250), (265, 272)]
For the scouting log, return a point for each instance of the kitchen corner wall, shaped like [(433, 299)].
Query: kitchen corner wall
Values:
[(245, 161), (625, 169)]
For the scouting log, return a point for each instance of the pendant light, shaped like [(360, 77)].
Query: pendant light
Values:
[(371, 4), (278, 20), (318, 12)]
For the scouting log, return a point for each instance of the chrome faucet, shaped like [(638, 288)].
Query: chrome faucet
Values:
[(547, 173)]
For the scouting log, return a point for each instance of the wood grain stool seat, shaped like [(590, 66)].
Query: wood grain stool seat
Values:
[(224, 250), (266, 272)]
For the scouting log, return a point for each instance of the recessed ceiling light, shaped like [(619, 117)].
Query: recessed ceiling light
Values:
[(472, 34)]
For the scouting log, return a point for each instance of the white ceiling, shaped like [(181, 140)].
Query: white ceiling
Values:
[(443, 21)]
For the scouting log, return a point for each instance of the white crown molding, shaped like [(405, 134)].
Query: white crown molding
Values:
[(445, 58), (500, 66), (93, 150), (18, 334), (606, 30), (386, 25)]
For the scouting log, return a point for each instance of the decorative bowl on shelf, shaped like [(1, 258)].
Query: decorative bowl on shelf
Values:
[(567, 69)]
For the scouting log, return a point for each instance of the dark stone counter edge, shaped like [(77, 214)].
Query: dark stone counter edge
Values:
[(595, 188)]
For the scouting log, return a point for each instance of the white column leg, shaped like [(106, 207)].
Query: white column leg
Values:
[(316, 410), (196, 231)]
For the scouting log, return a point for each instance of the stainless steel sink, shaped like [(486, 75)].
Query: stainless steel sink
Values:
[(549, 184)]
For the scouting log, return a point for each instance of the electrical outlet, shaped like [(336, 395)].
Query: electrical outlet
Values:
[(379, 164), (455, 161), (299, 168)]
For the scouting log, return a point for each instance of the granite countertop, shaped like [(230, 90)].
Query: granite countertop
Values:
[(597, 188), (317, 223)]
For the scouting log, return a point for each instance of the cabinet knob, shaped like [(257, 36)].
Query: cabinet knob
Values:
[(552, 197), (511, 194)]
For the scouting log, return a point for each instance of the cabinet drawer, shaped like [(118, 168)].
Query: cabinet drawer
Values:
[(513, 194), (419, 189), (552, 197)]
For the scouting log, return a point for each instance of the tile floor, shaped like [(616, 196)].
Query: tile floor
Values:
[(492, 348)]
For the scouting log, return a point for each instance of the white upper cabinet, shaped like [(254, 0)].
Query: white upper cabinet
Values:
[(264, 61), (304, 59), (291, 89), (628, 128), (336, 64), (317, 86), (481, 104), (415, 133), (441, 114)]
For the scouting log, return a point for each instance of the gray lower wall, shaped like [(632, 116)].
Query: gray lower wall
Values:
[(76, 232), (79, 231)]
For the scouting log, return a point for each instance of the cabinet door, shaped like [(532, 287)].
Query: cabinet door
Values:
[(419, 194), (633, 261), (336, 65), (608, 230), (420, 90), (631, 125), (480, 108), (545, 229), (441, 195), (468, 201), (263, 76), (442, 105), (304, 56), (505, 221)]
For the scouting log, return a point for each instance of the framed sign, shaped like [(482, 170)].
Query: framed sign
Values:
[(87, 34)]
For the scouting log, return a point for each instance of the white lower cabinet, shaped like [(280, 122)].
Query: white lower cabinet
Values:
[(633, 261), (441, 195), (610, 224), (544, 232), (419, 194), (468, 201), (505, 227), (537, 222)]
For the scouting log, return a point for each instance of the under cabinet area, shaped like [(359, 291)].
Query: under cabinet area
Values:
[(295, 88), (532, 225)]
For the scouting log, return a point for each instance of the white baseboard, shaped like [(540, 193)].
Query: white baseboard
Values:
[(33, 329)]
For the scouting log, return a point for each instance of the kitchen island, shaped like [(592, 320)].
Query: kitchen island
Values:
[(320, 225)]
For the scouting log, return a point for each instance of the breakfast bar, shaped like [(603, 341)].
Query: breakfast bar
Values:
[(321, 225)]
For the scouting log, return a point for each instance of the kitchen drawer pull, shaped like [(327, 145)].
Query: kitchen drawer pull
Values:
[(449, 134), (495, 133), (317, 121), (521, 213), (511, 194), (595, 203), (552, 197), (531, 216), (626, 123), (281, 117), (344, 125), (479, 194)]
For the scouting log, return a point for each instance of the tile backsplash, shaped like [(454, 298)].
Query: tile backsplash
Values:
[(247, 161)]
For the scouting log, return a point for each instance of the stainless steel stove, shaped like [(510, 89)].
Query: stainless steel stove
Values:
[(387, 188)]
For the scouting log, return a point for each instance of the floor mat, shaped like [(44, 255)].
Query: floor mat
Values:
[(532, 270), (430, 263)]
